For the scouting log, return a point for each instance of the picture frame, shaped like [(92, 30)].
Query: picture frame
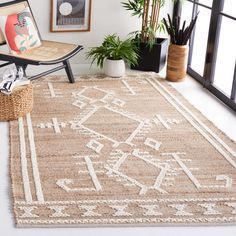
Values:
[(70, 15)]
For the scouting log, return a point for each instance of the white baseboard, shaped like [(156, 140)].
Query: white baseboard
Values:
[(78, 69)]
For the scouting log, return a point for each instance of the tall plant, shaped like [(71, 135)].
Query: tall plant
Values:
[(149, 11), (179, 35)]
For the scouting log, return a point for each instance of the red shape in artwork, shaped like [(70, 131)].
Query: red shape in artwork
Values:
[(10, 32)]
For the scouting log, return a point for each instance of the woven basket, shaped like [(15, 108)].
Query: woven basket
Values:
[(17, 104)]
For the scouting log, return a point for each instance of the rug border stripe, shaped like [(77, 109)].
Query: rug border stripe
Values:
[(24, 164), (35, 168), (230, 150), (188, 118)]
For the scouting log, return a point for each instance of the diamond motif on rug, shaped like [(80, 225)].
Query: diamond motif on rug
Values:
[(118, 102), (95, 145), (152, 143)]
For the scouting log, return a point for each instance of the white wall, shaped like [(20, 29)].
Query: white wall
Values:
[(108, 17)]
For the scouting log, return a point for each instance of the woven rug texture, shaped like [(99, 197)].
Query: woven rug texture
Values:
[(129, 151)]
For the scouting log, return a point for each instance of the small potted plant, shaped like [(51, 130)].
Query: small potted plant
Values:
[(113, 54), (178, 49)]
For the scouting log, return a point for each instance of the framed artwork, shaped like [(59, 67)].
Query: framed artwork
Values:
[(70, 15)]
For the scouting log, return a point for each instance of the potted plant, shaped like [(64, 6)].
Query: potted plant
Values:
[(178, 49), (152, 50), (113, 54)]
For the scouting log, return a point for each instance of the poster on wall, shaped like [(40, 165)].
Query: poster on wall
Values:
[(70, 15)]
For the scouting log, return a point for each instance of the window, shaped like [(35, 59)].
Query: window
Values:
[(225, 63), (212, 58), (206, 2), (200, 40)]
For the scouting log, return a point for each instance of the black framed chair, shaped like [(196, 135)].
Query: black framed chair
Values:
[(48, 53)]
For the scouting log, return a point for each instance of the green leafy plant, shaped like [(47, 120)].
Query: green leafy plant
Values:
[(179, 35), (114, 48), (149, 11)]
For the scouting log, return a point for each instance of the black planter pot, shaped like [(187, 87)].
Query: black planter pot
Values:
[(153, 59)]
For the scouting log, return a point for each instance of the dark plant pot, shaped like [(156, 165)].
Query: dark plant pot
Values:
[(153, 59)]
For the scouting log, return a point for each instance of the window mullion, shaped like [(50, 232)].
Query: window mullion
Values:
[(177, 10), (233, 92), (213, 41)]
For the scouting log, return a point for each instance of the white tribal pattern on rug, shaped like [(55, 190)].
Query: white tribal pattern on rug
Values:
[(119, 151)]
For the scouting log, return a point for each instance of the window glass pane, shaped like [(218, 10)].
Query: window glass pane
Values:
[(226, 56), (207, 2), (230, 7), (187, 11), (200, 40)]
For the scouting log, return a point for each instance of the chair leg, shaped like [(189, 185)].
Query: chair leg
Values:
[(23, 67), (69, 71)]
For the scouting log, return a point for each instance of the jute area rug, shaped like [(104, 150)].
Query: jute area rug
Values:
[(127, 151)]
